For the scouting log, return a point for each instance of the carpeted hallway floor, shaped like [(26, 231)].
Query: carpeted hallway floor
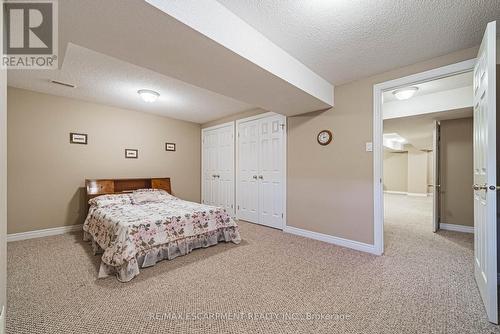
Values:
[(423, 284)]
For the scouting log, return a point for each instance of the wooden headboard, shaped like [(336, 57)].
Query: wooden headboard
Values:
[(117, 186)]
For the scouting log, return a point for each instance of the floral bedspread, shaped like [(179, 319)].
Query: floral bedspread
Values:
[(125, 228)]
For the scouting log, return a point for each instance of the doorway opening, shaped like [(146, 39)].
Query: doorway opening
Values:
[(484, 96), (428, 156), (426, 91), (428, 168)]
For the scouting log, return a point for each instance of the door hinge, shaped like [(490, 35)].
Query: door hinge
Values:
[(238, 207), (282, 216), (231, 206)]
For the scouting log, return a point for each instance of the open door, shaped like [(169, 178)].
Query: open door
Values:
[(485, 194), (436, 185)]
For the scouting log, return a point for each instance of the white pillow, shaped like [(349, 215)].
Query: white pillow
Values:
[(149, 196), (106, 200)]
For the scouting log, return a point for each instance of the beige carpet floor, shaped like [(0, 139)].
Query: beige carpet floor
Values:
[(271, 283)]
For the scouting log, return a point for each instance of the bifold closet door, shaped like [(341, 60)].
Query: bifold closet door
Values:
[(248, 171), (271, 171), (261, 170), (224, 196), (218, 167), (209, 142)]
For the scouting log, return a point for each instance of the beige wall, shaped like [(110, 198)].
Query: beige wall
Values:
[(417, 171), (396, 171), (409, 171), (46, 173), (335, 182), (232, 118), (456, 159)]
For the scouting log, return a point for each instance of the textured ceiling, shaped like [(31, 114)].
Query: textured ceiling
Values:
[(128, 45), (344, 40), (138, 33), (107, 80)]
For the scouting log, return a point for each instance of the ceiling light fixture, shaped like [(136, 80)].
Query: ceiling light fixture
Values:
[(147, 95), (405, 93)]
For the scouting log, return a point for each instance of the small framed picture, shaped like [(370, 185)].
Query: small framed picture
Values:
[(78, 138), (169, 146), (131, 154)]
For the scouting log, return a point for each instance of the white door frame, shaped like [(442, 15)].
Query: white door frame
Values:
[(436, 176), (284, 157), (378, 89), (218, 126)]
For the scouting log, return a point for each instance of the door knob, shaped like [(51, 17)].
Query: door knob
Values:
[(255, 177), (479, 187), (494, 187), (261, 177)]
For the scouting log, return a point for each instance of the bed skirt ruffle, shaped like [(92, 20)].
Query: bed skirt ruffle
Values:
[(166, 251)]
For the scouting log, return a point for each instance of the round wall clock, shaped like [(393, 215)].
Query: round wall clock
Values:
[(325, 137)]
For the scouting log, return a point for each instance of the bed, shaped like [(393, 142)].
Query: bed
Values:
[(134, 223)]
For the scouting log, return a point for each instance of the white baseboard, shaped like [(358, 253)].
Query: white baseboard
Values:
[(43, 233), (360, 246), (457, 228), (406, 193), (417, 194)]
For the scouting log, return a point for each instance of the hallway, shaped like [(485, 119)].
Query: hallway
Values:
[(408, 230)]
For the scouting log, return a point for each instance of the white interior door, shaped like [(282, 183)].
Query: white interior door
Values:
[(271, 171), (436, 185), (225, 168), (248, 171), (485, 195)]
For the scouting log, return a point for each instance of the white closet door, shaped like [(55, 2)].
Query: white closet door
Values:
[(248, 171), (225, 168), (209, 166), (218, 166), (271, 171)]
